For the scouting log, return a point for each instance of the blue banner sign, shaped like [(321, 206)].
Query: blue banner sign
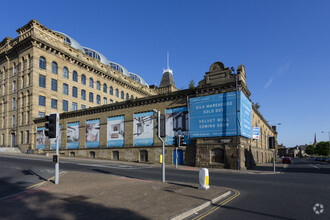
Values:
[(41, 138), (215, 115), (93, 133), (255, 134), (144, 129), (116, 131)]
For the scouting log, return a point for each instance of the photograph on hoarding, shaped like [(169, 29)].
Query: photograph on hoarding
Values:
[(93, 133), (116, 131), (177, 123), (144, 129), (73, 135)]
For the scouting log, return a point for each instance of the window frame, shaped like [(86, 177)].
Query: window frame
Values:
[(65, 103), (74, 76), (65, 72), (53, 102), (42, 62), (65, 92), (42, 100), (54, 67), (54, 86), (74, 92), (42, 81)]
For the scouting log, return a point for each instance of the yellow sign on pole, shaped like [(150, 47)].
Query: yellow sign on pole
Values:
[(161, 158)]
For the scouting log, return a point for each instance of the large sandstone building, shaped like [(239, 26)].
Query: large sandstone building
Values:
[(108, 112)]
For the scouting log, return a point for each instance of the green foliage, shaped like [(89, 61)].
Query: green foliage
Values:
[(322, 148), (191, 84), (257, 105), (310, 150)]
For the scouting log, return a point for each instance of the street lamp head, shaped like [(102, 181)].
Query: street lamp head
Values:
[(155, 110)]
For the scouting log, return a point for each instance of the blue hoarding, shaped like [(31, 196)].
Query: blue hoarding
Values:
[(116, 131), (93, 133), (72, 135), (41, 138), (177, 123), (144, 129), (215, 115)]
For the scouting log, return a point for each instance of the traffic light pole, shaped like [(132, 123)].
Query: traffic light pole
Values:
[(57, 165), (163, 148)]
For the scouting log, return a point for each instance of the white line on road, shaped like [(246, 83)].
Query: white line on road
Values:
[(314, 166)]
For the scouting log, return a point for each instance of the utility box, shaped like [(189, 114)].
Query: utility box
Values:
[(204, 179)]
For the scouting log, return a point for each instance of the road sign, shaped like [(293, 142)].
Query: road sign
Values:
[(255, 134)]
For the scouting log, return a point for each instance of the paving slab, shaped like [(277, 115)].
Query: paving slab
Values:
[(82, 195)]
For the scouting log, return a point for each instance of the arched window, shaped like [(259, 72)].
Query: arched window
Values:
[(83, 79), (98, 99), (75, 76), (127, 96), (122, 95), (105, 88), (111, 90), (54, 67), (98, 85), (42, 63), (132, 97), (65, 72), (91, 82), (117, 93)]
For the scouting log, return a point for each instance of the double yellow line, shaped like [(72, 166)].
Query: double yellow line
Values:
[(217, 206), (39, 184)]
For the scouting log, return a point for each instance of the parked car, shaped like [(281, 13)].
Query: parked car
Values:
[(312, 158), (328, 160), (286, 160), (323, 159)]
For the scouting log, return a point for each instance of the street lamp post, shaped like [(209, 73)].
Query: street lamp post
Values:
[(237, 140)]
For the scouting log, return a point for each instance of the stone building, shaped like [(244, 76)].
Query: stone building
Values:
[(108, 112), (43, 71)]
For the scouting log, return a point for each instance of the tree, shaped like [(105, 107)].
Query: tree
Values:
[(310, 150), (191, 84), (257, 105), (323, 148)]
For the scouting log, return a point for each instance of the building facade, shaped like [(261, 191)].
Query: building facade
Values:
[(107, 112), (43, 71)]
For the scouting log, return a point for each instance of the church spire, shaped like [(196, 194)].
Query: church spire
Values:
[(315, 141), (167, 79)]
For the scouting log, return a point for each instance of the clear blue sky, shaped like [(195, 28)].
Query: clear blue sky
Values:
[(284, 46)]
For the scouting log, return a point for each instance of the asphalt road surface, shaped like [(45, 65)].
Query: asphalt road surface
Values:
[(291, 193)]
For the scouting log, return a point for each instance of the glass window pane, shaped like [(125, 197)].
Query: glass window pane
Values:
[(42, 81)]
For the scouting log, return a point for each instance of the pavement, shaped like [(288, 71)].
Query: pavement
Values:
[(82, 195)]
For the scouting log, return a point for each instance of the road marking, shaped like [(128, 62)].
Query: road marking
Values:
[(39, 184), (314, 166), (219, 205), (29, 188)]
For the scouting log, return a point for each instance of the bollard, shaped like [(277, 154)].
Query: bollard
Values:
[(204, 179)]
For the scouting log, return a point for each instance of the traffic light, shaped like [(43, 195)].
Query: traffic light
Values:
[(51, 126), (162, 125), (176, 141), (182, 142), (271, 142)]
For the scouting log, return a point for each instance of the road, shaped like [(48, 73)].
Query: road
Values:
[(289, 194)]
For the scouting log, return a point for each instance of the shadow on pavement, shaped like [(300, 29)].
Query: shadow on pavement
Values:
[(39, 204), (257, 213)]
